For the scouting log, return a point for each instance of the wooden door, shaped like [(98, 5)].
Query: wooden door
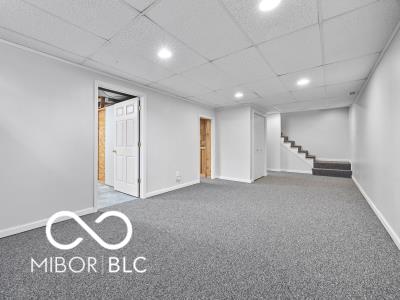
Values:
[(126, 152), (205, 147), (101, 163)]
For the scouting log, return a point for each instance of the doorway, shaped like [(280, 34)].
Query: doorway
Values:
[(205, 147), (118, 151), (259, 155)]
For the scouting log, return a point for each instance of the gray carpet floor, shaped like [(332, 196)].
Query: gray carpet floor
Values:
[(285, 236)]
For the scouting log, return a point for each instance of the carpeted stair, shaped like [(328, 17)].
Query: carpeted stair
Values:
[(332, 168), (323, 168), (298, 147)]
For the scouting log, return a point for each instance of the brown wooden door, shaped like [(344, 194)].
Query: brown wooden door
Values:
[(205, 147)]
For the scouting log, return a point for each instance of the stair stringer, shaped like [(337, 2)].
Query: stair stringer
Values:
[(293, 161)]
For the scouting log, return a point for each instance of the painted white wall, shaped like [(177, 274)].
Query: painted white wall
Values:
[(375, 139), (274, 142), (47, 138), (109, 145), (324, 133), (234, 154), (294, 162), (173, 142)]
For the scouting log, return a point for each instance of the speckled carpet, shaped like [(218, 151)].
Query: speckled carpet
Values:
[(285, 236)]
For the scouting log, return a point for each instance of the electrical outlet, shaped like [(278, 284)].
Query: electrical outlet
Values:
[(178, 176)]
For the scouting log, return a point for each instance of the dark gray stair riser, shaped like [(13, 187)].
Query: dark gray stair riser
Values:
[(332, 173), (332, 165)]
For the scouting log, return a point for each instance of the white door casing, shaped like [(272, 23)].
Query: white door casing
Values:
[(126, 151), (259, 146)]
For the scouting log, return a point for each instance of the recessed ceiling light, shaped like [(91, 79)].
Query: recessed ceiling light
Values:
[(303, 82), (239, 95), (268, 5), (164, 53)]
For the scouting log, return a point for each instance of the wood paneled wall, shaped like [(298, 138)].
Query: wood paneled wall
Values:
[(205, 147), (101, 167)]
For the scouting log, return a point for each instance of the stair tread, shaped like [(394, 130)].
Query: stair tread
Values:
[(333, 162), (338, 170)]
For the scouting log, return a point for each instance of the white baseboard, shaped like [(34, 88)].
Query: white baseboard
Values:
[(297, 171), (40, 223), (236, 179), (172, 188), (274, 170), (389, 229)]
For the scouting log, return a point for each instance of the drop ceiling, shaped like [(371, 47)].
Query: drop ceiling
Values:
[(220, 47)]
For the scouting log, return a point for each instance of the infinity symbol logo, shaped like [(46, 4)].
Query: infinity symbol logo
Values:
[(93, 234)]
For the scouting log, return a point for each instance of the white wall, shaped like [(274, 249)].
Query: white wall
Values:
[(109, 145), (47, 138), (375, 138), (234, 144), (273, 142), (324, 133), (173, 142), (294, 162)]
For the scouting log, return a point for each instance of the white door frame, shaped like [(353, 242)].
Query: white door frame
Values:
[(253, 113), (212, 119), (143, 142)]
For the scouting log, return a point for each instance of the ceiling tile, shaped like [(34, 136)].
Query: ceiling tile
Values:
[(286, 18), (101, 17), (210, 76), (245, 66), (181, 86), (267, 86), (229, 94), (277, 99), (337, 7), (361, 32), (344, 89), (140, 5), (215, 100), (315, 104), (350, 70), (203, 25), (32, 22), (110, 69), (122, 59), (297, 51), (310, 94), (25, 41), (315, 75), (144, 38)]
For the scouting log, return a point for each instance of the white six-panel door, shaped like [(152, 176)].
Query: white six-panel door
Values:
[(126, 151)]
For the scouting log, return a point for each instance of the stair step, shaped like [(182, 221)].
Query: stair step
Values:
[(332, 172), (311, 156), (298, 147), (336, 165)]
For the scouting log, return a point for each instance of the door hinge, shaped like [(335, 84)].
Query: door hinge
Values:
[(139, 180), (139, 107), (139, 144)]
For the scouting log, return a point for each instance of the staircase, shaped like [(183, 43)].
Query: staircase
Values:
[(322, 168)]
